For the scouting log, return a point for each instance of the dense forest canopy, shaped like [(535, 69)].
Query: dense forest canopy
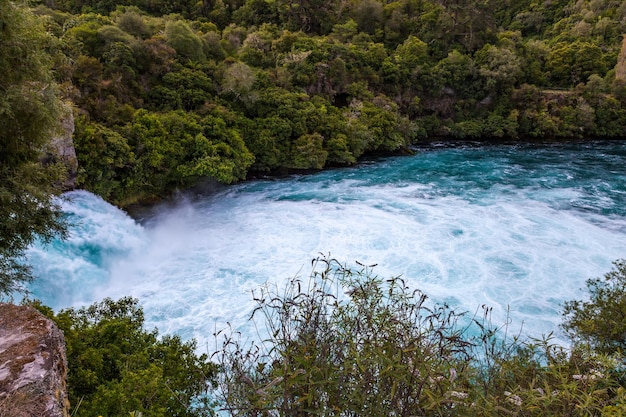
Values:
[(169, 92)]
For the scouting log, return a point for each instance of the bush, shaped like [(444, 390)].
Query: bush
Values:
[(116, 367), (600, 322), (344, 342), (347, 343)]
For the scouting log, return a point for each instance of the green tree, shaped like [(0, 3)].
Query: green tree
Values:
[(218, 152), (310, 16), (610, 117), (601, 321), (82, 34), (257, 48), (256, 12), (268, 139), (459, 73), (339, 152), (308, 152), (29, 116), (105, 158), (368, 14), (573, 62), (500, 67), (175, 149), (182, 38), (132, 22), (238, 80), (117, 367), (389, 130), (182, 89)]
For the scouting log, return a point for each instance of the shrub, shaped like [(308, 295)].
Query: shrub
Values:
[(115, 367), (601, 321), (348, 343)]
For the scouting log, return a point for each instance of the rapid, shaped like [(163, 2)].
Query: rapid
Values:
[(518, 228)]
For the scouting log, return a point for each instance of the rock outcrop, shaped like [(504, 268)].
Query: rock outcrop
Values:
[(33, 365), (63, 150), (620, 67)]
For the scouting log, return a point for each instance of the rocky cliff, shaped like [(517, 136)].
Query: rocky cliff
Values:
[(63, 150), (33, 365), (620, 67)]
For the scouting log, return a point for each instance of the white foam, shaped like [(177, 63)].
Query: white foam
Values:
[(193, 266), (520, 257)]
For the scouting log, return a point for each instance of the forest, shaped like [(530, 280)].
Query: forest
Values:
[(167, 93)]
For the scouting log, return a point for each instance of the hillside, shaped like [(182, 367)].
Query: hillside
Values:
[(169, 92)]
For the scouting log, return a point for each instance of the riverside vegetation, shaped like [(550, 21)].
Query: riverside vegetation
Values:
[(169, 93), (345, 342)]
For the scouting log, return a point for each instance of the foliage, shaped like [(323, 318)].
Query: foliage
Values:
[(601, 321), (169, 93), (30, 112), (117, 367), (371, 353), (155, 153), (186, 43), (348, 343), (334, 80), (105, 159)]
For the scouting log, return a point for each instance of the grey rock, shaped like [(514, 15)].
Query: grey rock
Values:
[(62, 148), (33, 364)]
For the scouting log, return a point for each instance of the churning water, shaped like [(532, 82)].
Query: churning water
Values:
[(518, 228)]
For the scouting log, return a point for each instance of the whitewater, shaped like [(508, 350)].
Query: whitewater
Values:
[(518, 228)]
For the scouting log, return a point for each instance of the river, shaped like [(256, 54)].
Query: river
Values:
[(518, 228)]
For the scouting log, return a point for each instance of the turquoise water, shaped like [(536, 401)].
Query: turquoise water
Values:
[(517, 228)]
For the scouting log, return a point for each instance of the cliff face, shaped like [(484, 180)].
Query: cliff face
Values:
[(620, 67), (62, 148), (33, 365)]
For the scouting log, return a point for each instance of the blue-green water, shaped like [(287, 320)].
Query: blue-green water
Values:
[(518, 228)]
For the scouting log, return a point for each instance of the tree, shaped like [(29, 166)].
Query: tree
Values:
[(29, 114), (105, 158), (368, 14), (309, 152), (117, 367), (573, 62), (132, 22), (175, 149), (182, 88), (238, 79), (458, 72), (500, 67), (182, 38), (601, 321), (257, 49)]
